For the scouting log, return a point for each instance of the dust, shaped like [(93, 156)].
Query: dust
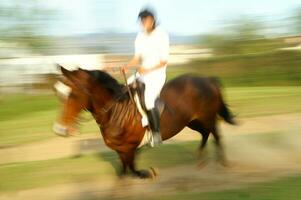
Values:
[(260, 149)]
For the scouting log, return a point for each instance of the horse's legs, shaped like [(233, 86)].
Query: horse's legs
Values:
[(197, 126), (203, 153), (123, 159), (128, 160), (204, 140), (220, 149)]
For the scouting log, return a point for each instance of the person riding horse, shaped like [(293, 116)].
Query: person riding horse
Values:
[(190, 101), (151, 55)]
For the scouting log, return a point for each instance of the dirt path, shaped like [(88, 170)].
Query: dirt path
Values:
[(51, 149), (251, 163), (251, 160), (64, 147)]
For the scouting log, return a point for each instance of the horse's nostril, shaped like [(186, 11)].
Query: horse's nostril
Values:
[(60, 129)]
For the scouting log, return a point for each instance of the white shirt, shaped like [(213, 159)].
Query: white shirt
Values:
[(152, 48)]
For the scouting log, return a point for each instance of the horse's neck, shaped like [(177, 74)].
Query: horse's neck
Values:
[(99, 100), (111, 111)]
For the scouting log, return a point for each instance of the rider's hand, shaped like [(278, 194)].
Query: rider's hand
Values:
[(124, 69), (142, 70)]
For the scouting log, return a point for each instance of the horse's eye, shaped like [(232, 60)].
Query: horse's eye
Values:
[(72, 95)]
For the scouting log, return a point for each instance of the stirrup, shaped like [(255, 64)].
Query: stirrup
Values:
[(155, 140)]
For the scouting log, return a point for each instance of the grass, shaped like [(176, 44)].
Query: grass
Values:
[(47, 173), (275, 68), (27, 175), (29, 118), (27, 128), (26, 119), (20, 105), (105, 165), (259, 101), (282, 189)]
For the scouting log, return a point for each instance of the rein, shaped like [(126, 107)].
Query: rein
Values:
[(108, 106), (127, 86)]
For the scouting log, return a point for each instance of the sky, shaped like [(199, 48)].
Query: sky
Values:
[(182, 17)]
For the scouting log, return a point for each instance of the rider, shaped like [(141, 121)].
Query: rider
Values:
[(151, 55)]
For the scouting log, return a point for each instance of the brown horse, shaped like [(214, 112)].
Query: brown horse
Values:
[(190, 101)]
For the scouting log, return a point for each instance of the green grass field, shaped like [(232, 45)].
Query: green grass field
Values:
[(275, 68), (281, 189), (31, 123), (102, 166), (29, 118), (254, 85), (88, 168)]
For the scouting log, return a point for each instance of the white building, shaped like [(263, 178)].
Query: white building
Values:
[(17, 71)]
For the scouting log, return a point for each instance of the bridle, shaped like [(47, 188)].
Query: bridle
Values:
[(109, 105)]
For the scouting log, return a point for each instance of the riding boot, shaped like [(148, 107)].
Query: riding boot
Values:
[(154, 119)]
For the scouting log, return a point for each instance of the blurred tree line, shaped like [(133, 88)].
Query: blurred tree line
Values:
[(296, 19), (23, 22), (247, 35), (241, 36), (248, 52)]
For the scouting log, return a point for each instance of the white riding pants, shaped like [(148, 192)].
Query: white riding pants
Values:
[(154, 82)]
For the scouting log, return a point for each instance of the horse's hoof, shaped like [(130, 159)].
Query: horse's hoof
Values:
[(144, 174), (202, 163), (202, 154), (76, 156), (223, 162), (122, 176), (154, 172)]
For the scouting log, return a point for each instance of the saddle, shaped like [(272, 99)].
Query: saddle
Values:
[(137, 88)]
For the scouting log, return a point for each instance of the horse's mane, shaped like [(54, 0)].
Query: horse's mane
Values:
[(123, 110), (106, 81)]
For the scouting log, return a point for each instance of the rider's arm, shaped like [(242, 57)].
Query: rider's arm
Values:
[(164, 54), (162, 63), (136, 60)]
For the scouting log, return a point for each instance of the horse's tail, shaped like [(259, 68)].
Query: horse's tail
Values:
[(224, 111), (226, 114)]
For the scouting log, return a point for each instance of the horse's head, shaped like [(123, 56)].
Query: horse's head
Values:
[(84, 90), (74, 91)]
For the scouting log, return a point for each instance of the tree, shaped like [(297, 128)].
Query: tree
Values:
[(24, 21), (243, 35), (244, 28), (297, 21)]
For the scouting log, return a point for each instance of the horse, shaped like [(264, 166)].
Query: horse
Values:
[(190, 101)]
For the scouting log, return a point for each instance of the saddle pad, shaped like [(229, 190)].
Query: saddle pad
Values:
[(144, 119), (147, 139)]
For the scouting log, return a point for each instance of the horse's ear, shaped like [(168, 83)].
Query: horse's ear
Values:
[(83, 70), (63, 70)]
